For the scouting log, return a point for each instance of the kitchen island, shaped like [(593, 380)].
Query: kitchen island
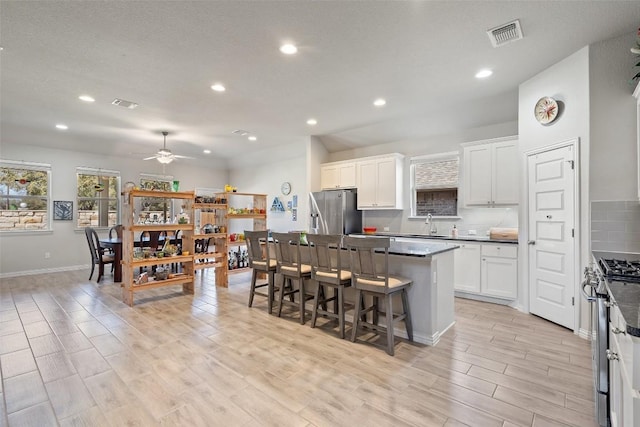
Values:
[(431, 298)]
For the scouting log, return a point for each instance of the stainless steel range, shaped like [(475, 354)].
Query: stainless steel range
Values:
[(610, 267)]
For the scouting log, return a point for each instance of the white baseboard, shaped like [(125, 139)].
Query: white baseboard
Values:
[(484, 298), (44, 271), (420, 338)]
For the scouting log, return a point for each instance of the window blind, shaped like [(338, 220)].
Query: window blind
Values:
[(436, 174)]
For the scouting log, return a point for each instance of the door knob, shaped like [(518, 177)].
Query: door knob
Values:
[(531, 242)]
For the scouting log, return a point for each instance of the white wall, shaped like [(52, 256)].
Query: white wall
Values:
[(613, 168), (24, 252), (267, 178), (568, 82)]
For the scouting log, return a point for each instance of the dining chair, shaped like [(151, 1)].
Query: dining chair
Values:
[(291, 269), (99, 255), (115, 231), (369, 278), (327, 269), (261, 262)]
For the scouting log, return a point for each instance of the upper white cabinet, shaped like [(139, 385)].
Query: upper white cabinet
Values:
[(490, 174), (338, 175), (379, 182)]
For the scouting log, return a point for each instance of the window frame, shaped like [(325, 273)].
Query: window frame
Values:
[(83, 170), (32, 166), (168, 180), (430, 158)]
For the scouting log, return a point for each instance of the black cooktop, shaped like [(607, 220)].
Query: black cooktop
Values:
[(621, 269)]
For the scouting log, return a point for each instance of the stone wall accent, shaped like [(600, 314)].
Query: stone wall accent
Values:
[(23, 220)]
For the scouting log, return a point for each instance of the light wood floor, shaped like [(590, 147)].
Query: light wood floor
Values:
[(72, 354)]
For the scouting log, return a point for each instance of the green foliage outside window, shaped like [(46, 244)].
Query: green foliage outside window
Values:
[(97, 196), (22, 188)]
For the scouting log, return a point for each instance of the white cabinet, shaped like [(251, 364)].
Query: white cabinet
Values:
[(379, 182), (338, 175), (636, 93), (624, 370), (486, 269), (499, 271), (466, 263), (490, 174)]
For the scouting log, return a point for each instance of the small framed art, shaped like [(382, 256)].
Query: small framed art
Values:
[(62, 210)]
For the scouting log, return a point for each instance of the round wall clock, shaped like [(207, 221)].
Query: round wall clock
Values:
[(546, 110), (285, 188)]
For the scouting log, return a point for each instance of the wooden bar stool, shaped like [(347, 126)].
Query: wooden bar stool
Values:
[(369, 279), (328, 273), (291, 269), (260, 261)]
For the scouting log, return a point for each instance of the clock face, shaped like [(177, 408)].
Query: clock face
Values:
[(285, 188), (546, 110)]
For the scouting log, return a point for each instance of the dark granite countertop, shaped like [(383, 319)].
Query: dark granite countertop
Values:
[(416, 249), (626, 295), (479, 239)]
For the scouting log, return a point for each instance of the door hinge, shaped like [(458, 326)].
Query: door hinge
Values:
[(573, 300), (573, 232), (572, 163)]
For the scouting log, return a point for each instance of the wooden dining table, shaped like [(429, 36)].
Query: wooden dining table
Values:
[(114, 243)]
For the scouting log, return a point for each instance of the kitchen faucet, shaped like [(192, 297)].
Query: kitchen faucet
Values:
[(432, 227)]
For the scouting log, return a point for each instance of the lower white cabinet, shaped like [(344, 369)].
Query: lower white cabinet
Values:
[(487, 269), (466, 260), (624, 373)]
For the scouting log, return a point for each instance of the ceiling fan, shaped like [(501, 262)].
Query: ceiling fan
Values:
[(164, 155)]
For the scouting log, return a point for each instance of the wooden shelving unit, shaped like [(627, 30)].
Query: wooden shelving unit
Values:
[(131, 265), (218, 214)]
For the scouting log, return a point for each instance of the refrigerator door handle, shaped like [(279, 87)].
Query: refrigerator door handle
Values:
[(315, 206)]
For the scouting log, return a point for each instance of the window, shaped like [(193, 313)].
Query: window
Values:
[(24, 196), (434, 185), (153, 210), (97, 199)]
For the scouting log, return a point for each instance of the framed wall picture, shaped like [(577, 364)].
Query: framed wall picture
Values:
[(62, 210)]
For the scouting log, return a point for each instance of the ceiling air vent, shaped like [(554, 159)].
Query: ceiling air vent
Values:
[(240, 132), (506, 33), (126, 104)]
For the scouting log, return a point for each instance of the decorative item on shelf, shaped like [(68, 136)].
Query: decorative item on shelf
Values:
[(176, 186), (129, 185), (162, 273), (142, 278), (230, 189)]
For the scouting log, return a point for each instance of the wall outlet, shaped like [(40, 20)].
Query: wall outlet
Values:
[(472, 232), (386, 228), (47, 255)]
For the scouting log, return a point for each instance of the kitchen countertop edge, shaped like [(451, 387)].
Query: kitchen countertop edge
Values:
[(478, 239)]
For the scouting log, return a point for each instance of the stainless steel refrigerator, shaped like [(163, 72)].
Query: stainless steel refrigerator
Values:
[(334, 212)]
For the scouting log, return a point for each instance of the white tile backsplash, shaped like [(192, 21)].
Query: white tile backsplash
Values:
[(615, 226)]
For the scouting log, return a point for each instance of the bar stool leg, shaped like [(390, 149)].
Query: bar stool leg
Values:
[(389, 316), (281, 299), (356, 315), (254, 276), (303, 299), (340, 300), (316, 303), (270, 288), (407, 311)]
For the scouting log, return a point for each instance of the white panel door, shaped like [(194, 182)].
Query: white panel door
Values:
[(552, 283), (505, 173), (477, 175)]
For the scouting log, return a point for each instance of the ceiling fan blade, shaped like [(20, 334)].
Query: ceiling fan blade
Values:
[(178, 156), (150, 158)]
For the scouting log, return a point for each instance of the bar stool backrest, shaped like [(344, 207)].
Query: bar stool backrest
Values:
[(321, 248), (287, 248), (255, 240), (362, 252)]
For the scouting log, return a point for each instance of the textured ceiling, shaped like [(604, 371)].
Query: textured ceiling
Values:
[(164, 55)]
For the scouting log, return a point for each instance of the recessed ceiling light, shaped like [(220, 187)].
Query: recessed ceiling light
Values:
[(206, 151), (483, 74), (253, 138), (288, 49), (379, 102), (62, 127), (86, 98), (218, 87), (312, 122)]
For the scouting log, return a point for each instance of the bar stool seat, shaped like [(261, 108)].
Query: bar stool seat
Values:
[(328, 273), (291, 269), (368, 278), (260, 261)]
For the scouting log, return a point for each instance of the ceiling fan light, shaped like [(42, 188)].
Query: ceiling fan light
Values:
[(165, 160)]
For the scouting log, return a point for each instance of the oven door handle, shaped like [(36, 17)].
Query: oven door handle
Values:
[(586, 296)]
